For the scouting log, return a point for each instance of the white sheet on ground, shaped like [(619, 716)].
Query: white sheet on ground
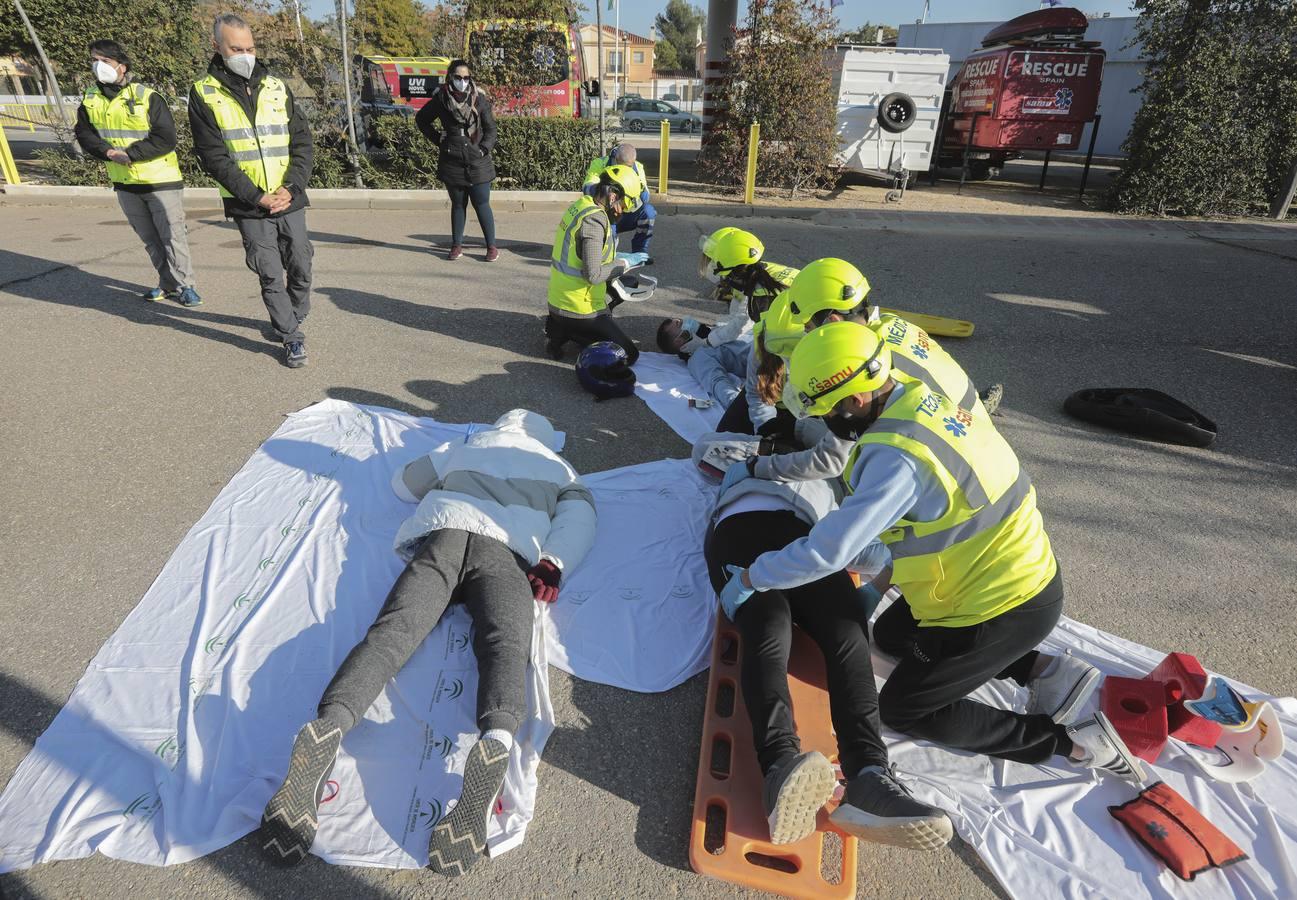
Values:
[(1045, 831), (664, 383), (639, 612), (181, 727)]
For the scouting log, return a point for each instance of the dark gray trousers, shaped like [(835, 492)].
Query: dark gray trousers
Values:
[(277, 247), (450, 567)]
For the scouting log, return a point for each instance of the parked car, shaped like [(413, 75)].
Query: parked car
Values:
[(675, 98), (620, 105), (640, 115)]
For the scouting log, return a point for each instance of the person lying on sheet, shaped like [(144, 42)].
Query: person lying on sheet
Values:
[(937, 484), (759, 516), (500, 517)]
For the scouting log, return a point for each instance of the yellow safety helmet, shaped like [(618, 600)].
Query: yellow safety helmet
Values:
[(725, 249), (776, 330), (825, 285), (627, 181), (835, 361)]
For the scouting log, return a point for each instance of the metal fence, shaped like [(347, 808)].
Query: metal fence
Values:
[(26, 113)]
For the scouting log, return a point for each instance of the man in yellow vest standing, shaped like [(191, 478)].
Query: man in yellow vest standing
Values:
[(935, 482), (130, 127), (250, 136)]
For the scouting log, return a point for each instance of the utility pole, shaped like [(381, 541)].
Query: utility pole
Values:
[(1283, 200), (353, 151), (599, 66), (621, 54), (51, 83), (297, 15)]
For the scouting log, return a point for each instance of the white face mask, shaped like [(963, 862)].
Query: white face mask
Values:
[(104, 73), (459, 84), (241, 64)]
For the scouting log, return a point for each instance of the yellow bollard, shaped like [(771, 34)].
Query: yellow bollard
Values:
[(8, 167), (754, 135), (662, 156)]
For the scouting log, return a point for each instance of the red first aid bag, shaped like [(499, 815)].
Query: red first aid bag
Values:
[(1166, 824)]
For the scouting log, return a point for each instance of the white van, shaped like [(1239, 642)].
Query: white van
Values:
[(889, 109)]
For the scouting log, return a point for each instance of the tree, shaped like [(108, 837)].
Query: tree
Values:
[(868, 34), (678, 26), (391, 27), (1218, 126), (665, 58), (779, 77)]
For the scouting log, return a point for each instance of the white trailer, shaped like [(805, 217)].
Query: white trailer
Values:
[(889, 110)]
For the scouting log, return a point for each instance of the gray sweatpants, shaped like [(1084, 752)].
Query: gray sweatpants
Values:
[(159, 219), (276, 247), (451, 567)]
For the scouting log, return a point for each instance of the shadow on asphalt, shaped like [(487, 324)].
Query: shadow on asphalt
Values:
[(68, 285)]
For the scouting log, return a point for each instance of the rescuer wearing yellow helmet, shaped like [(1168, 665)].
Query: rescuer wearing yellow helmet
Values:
[(936, 483), (585, 259), (638, 219)]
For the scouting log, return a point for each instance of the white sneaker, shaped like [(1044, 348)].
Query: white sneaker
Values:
[(1105, 749), (1063, 693)]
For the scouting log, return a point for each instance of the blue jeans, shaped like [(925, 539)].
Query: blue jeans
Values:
[(641, 222), (721, 369)]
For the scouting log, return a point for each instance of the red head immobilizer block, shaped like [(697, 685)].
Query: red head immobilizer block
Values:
[(1185, 679), (1137, 708)]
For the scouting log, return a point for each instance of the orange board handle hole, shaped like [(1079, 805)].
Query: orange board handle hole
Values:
[(714, 832), (729, 649), (725, 694), (778, 863), (722, 751)]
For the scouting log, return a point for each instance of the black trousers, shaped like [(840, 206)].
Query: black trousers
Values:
[(451, 566), (830, 614), (927, 694), (584, 332)]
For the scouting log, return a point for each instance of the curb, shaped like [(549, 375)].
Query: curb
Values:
[(346, 198)]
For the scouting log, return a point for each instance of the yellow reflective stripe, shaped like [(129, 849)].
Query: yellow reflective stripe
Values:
[(964, 474), (989, 516), (566, 251)]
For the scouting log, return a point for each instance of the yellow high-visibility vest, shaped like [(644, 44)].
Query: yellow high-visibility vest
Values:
[(989, 552), (570, 294), (260, 148), (122, 121)]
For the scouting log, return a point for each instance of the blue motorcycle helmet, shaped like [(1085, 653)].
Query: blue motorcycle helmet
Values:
[(603, 370)]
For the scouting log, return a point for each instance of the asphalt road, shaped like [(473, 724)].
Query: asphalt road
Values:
[(123, 420)]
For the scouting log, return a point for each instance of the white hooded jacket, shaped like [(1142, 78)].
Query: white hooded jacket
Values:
[(507, 483)]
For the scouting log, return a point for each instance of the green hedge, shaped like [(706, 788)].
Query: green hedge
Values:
[(531, 154)]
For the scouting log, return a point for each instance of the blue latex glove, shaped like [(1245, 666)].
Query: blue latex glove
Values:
[(734, 474), (633, 259), (734, 594)]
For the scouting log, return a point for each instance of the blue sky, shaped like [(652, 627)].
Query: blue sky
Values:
[(637, 15)]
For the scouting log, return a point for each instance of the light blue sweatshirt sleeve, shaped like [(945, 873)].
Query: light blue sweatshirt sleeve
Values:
[(887, 487), (759, 411)]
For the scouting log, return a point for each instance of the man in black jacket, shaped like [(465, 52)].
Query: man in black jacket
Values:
[(250, 136), (128, 126)]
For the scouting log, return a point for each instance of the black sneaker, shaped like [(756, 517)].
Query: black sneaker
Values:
[(879, 808), (796, 789), (460, 839), (991, 398), (289, 823), (295, 354)]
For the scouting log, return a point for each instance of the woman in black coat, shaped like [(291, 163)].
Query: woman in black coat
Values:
[(458, 119)]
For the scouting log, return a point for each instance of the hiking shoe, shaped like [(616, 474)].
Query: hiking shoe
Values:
[(879, 808), (492, 254), (991, 398), (1063, 693), (154, 295), (295, 354), (796, 789), (460, 838), (189, 297), (1104, 749), (290, 821), (455, 252)]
